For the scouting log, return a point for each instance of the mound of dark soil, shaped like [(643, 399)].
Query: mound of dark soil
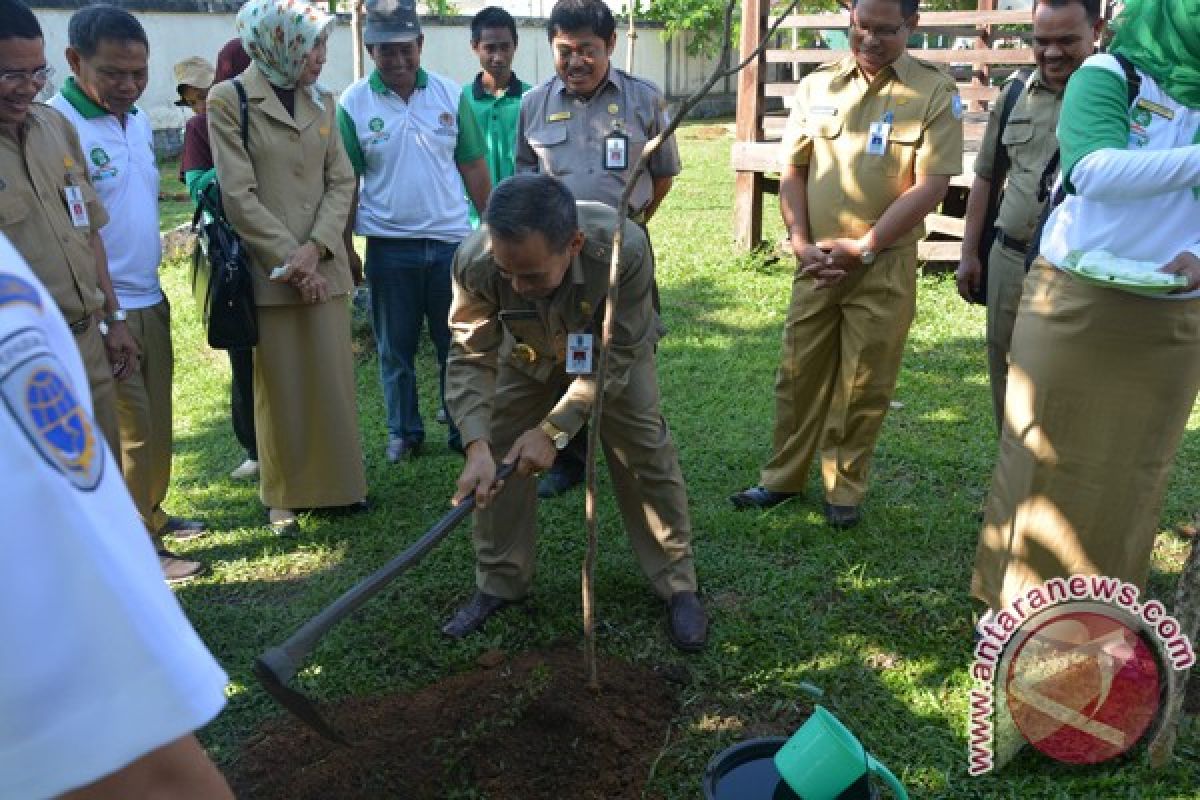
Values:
[(524, 728)]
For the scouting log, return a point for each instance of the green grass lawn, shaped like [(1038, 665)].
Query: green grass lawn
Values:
[(878, 617)]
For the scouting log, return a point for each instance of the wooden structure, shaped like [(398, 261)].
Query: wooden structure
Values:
[(766, 87)]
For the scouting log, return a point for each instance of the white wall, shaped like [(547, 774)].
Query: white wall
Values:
[(175, 36)]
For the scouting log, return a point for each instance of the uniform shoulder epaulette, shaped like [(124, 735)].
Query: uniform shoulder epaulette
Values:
[(941, 69)]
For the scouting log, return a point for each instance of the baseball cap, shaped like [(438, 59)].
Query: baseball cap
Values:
[(194, 71), (391, 21)]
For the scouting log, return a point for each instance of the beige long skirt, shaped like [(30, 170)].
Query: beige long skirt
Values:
[(1100, 387), (305, 412)]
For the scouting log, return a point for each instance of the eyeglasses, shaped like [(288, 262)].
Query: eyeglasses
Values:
[(11, 78)]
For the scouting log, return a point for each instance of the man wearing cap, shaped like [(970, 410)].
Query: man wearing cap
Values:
[(50, 212), (108, 52), (587, 126), (415, 144), (495, 94)]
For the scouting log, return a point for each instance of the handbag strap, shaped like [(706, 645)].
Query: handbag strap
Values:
[(1000, 160), (1051, 187)]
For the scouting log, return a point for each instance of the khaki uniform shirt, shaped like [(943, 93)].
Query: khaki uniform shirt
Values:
[(34, 172), (562, 135), (1030, 141), (294, 184), (828, 131), (492, 326)]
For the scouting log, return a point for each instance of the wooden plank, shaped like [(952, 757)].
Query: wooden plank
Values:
[(756, 156), (765, 157), (969, 93), (747, 210), (747, 186), (939, 251), (929, 19), (1018, 55), (941, 223), (773, 127)]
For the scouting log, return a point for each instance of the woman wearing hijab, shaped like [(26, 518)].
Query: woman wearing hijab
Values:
[(1102, 380), (197, 172), (288, 194)]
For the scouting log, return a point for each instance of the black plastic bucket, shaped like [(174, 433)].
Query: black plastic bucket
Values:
[(746, 771)]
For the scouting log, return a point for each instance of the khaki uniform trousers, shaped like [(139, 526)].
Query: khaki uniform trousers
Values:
[(1006, 273), (102, 384), (646, 478), (144, 412), (842, 348), (1100, 389)]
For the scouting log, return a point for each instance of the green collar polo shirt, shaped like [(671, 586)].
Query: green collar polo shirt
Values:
[(119, 157), (407, 154), (497, 116)]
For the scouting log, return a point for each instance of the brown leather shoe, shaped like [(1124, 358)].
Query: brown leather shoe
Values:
[(471, 616), (177, 569), (842, 517), (687, 625)]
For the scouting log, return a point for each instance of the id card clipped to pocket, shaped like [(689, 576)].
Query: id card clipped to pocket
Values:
[(877, 136), (76, 206), (579, 354), (616, 151)]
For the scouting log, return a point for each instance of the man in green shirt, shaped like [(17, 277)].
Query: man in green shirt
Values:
[(495, 94)]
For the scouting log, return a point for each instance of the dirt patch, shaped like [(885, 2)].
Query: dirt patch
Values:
[(526, 728)]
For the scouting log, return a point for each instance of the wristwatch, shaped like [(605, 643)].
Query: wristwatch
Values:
[(117, 316), (867, 257), (559, 437)]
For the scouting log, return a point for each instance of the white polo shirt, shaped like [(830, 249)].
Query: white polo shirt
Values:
[(407, 154), (99, 665), (120, 159)]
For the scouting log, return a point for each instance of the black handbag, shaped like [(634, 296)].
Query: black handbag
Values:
[(221, 283)]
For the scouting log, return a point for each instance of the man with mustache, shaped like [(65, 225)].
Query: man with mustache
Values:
[(872, 142), (587, 126), (1064, 34), (529, 303)]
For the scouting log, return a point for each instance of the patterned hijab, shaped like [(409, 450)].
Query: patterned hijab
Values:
[(1162, 37), (279, 34)]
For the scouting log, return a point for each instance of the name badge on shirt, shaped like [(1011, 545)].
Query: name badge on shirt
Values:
[(616, 151), (76, 206), (558, 116), (579, 354), (877, 136)]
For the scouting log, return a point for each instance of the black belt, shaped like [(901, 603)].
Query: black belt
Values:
[(1011, 243), (81, 325)]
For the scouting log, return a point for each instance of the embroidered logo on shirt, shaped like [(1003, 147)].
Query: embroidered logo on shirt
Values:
[(47, 409), (104, 168), (1141, 116), (14, 291), (376, 124)]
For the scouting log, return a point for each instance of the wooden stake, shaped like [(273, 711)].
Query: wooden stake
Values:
[(719, 72)]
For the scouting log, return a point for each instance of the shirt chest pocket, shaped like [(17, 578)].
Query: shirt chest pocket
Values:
[(827, 127), (550, 145), (14, 208), (901, 155), (526, 344)]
